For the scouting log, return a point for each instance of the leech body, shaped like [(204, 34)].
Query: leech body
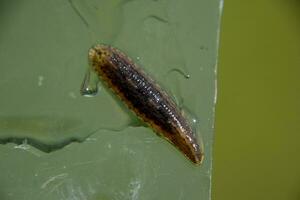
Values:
[(147, 99)]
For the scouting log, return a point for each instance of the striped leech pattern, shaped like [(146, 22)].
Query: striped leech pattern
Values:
[(146, 98)]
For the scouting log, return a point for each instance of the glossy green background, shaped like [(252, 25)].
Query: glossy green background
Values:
[(257, 138)]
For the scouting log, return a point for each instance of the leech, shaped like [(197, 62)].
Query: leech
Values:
[(144, 97)]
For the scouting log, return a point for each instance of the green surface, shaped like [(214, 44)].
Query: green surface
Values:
[(43, 53), (256, 153)]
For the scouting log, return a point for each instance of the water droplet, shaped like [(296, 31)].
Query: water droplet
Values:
[(89, 87), (181, 72)]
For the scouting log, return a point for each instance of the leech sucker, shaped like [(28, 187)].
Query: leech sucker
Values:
[(145, 98)]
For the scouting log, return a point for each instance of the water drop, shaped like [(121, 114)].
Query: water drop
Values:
[(181, 72), (89, 87)]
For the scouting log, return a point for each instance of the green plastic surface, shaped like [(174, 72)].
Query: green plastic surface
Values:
[(57, 144)]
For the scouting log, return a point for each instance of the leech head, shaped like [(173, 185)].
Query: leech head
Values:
[(98, 56)]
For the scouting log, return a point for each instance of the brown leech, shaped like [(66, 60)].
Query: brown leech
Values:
[(147, 99)]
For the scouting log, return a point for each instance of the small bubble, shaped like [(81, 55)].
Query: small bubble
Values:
[(72, 95), (40, 80)]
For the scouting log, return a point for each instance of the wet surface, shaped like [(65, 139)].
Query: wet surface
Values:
[(57, 144)]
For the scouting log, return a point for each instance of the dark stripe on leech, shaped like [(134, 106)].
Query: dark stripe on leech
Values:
[(142, 95)]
